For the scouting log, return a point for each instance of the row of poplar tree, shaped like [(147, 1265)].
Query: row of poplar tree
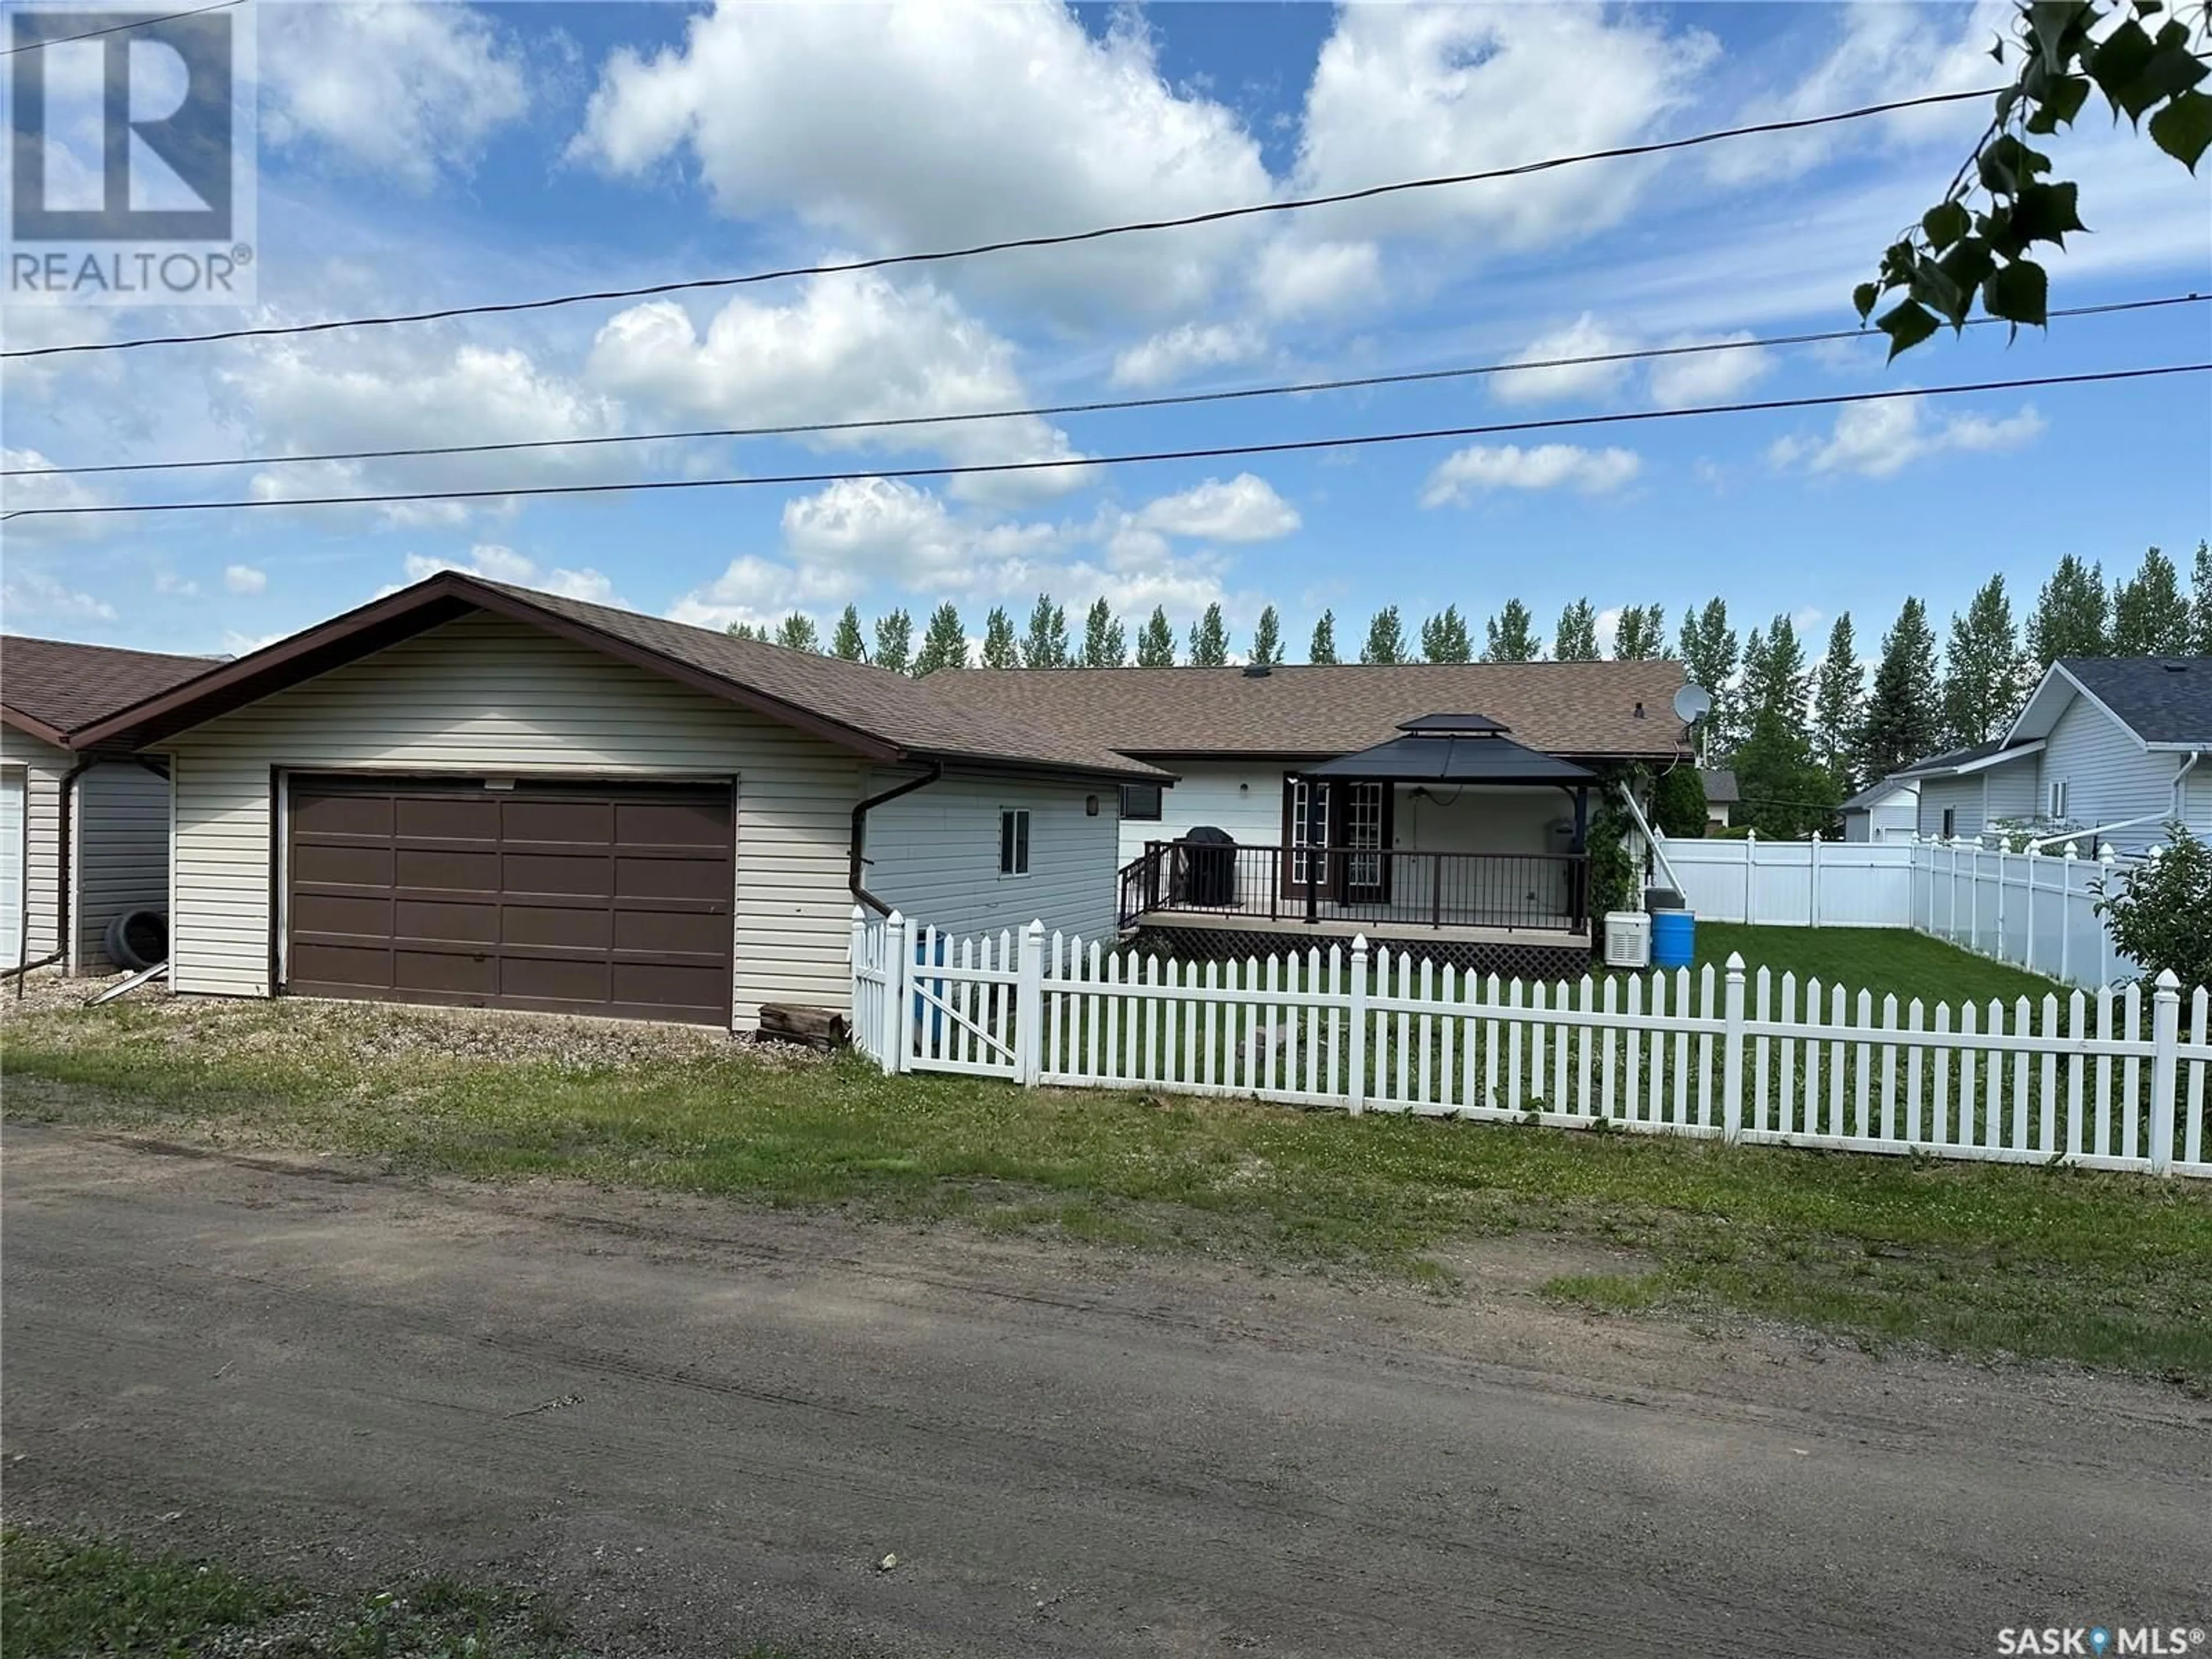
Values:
[(1800, 735)]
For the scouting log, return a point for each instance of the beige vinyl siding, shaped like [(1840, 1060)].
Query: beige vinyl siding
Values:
[(43, 766), (120, 821), (933, 854), (484, 694)]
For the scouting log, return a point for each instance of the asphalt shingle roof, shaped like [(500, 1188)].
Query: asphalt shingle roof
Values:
[(2161, 699), (66, 686)]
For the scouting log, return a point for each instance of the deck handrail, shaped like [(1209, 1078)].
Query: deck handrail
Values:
[(1386, 885)]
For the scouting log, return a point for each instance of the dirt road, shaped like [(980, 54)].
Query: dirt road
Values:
[(704, 1426)]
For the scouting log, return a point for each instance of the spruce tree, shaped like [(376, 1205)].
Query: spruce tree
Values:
[(1268, 640), (2201, 604), (894, 641), (1000, 648), (1840, 705), (1445, 638), (2150, 617), (1984, 668), (1156, 641), (1045, 646), (847, 642), (738, 630), (798, 633), (2072, 616), (1641, 635), (1386, 638), (944, 644), (1510, 636), (1710, 657), (1105, 642), (1904, 713), (1323, 647), (1209, 640), (1575, 639)]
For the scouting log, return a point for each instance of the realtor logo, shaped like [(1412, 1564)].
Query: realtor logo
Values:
[(130, 139)]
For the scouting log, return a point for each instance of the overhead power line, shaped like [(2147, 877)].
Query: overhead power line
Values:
[(118, 28), (1217, 215), (1102, 406), (1285, 446)]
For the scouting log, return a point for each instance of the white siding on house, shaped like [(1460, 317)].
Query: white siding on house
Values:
[(119, 822), (487, 694), (933, 854), (2011, 792), (1963, 795), (2109, 776), (1895, 816), (43, 767), (1244, 798)]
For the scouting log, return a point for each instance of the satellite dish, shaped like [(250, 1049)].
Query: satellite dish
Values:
[(1692, 704)]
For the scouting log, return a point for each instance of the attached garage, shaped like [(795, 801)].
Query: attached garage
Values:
[(611, 899)]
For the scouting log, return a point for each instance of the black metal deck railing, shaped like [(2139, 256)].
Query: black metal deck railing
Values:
[(1537, 891)]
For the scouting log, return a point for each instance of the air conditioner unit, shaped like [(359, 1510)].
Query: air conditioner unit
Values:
[(1627, 938)]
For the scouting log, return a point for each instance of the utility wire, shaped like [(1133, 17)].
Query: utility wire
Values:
[(118, 28), (1174, 400), (1212, 453), (883, 261)]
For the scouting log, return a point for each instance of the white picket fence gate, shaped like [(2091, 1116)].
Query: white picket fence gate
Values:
[(2105, 1078), (2034, 910)]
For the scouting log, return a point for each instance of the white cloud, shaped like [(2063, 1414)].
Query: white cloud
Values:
[(1410, 91), (848, 348), (245, 579), (1301, 278), (1468, 472), (1179, 351), (1877, 439), (925, 126), (235, 644), (34, 593), (503, 564), (408, 90), (1244, 509), (38, 488), (1583, 337), (1707, 377), (170, 583), (757, 592)]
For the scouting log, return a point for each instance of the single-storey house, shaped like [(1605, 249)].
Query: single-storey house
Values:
[(84, 831), (1444, 804), (1721, 795), (472, 793), (2107, 750), (1883, 811)]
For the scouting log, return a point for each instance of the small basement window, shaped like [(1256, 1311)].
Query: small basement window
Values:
[(1014, 841), (2058, 802), (1140, 802)]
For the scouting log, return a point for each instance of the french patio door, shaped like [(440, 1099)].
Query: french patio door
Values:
[(1351, 818)]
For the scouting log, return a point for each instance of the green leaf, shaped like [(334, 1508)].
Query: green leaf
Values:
[(2184, 128), (2174, 68), (1968, 264), (1945, 224), (1934, 289), (2062, 102), (2018, 293), (1907, 325), (2119, 60), (1863, 298), (2052, 22), (2045, 212)]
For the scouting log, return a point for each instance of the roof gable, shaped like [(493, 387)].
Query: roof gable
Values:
[(2161, 703), (53, 689)]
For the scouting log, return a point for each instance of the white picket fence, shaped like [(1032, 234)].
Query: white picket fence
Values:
[(2105, 1078), (2035, 910)]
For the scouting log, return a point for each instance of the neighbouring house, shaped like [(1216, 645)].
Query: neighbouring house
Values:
[(2107, 750), (471, 794), (1441, 804), (84, 830), (1883, 811), (1721, 795)]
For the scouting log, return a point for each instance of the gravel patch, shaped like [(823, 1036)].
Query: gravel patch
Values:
[(366, 1032)]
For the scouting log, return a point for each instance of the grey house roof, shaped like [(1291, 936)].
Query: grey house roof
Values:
[(2162, 700), (1720, 784), (1875, 793)]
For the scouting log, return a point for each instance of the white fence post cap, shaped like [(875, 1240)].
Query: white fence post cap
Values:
[(1736, 964), (2106, 854), (2168, 984), (2071, 851), (894, 918), (1036, 926), (1360, 941)]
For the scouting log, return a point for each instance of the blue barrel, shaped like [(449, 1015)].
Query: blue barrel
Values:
[(1674, 938)]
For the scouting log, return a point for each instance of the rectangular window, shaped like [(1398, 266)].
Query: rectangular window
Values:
[(1950, 822), (1014, 842), (2057, 798), (1140, 802)]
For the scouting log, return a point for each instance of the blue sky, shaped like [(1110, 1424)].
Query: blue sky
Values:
[(419, 154)]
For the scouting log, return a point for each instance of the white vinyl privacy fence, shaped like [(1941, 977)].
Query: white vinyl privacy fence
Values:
[(2035, 910), (2111, 1079)]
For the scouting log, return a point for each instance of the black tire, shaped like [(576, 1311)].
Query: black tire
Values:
[(138, 940)]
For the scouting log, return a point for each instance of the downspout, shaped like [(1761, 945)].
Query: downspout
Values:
[(856, 870), (65, 923), (2093, 837)]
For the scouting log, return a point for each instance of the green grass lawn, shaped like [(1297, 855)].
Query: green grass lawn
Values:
[(1882, 960), (2040, 1262), (77, 1597)]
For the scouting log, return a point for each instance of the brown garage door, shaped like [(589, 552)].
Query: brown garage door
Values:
[(594, 899)]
